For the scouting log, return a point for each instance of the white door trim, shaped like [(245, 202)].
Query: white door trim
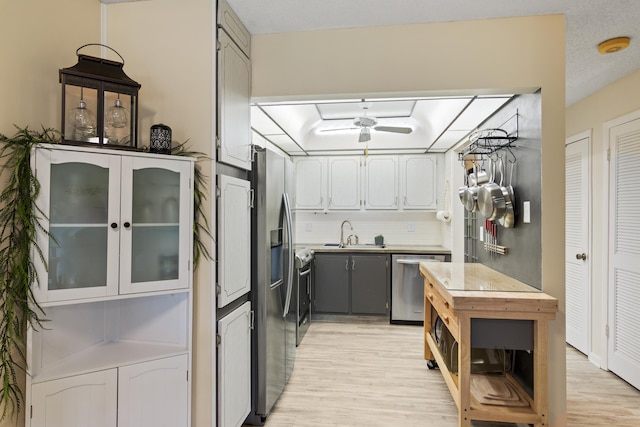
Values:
[(606, 130), (589, 250)]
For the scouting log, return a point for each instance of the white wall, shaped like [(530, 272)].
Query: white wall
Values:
[(615, 100), (516, 55)]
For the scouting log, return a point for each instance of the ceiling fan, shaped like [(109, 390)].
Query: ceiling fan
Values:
[(365, 123)]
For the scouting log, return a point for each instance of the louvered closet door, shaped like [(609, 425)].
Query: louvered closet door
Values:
[(578, 284), (624, 251)]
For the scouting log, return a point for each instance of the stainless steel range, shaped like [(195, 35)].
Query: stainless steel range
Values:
[(302, 290)]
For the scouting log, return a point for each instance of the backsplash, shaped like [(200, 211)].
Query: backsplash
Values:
[(320, 227)]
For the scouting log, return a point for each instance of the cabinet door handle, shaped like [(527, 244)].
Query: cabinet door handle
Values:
[(114, 225), (346, 264), (127, 224), (353, 264)]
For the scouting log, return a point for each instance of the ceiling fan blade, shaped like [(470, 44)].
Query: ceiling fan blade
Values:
[(365, 135), (339, 129), (393, 129)]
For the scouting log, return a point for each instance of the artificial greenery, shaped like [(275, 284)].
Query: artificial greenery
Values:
[(19, 227), (200, 223)]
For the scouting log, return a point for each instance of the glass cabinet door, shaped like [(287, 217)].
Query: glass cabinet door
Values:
[(156, 200), (77, 197)]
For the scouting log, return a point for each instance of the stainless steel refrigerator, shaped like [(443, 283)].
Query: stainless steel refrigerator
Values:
[(273, 340)]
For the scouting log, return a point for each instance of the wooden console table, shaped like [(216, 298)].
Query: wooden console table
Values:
[(466, 297)]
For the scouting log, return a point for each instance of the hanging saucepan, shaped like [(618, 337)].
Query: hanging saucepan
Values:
[(470, 196), (507, 220), (462, 189), (478, 177), (491, 202)]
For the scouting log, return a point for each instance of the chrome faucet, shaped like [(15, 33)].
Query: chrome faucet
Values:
[(342, 232)]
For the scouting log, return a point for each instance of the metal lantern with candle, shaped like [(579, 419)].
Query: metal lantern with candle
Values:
[(99, 102)]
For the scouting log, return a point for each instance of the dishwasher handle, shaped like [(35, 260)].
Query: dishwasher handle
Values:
[(416, 261)]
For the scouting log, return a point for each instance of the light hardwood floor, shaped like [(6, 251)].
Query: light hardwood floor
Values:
[(371, 374)]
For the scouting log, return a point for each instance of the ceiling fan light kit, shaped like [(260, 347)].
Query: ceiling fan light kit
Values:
[(366, 123)]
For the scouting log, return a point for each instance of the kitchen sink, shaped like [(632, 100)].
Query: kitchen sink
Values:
[(366, 246)]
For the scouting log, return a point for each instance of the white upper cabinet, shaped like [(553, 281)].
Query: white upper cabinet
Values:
[(117, 224), (231, 24), (234, 109), (155, 250), (419, 182), (344, 183), (386, 182), (309, 181), (234, 238), (381, 182)]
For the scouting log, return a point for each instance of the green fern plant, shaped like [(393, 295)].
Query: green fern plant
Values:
[(200, 224), (19, 226)]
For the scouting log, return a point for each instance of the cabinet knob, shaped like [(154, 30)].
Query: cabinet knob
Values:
[(581, 256), (127, 224), (114, 225)]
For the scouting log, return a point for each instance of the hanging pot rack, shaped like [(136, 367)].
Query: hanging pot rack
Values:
[(484, 142)]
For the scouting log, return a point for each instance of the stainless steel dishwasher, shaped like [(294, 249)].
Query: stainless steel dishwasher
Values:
[(407, 287)]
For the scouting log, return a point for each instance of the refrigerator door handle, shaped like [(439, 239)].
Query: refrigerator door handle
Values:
[(287, 218)]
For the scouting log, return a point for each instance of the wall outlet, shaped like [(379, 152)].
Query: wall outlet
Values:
[(481, 234), (411, 227), (526, 212)]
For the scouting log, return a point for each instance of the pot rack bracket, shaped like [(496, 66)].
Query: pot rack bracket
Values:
[(484, 142)]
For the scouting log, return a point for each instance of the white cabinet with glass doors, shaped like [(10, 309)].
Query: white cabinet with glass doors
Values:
[(117, 224), (117, 292)]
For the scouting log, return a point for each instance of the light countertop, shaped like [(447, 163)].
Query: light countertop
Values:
[(385, 249), (475, 287)]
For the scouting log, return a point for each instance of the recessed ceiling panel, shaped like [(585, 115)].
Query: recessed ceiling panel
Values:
[(285, 143), (295, 120), (351, 110), (449, 139), (436, 124), (478, 111), (262, 123)]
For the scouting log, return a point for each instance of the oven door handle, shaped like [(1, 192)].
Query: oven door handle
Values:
[(304, 272)]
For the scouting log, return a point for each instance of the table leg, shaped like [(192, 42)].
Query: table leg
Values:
[(427, 325), (464, 370)]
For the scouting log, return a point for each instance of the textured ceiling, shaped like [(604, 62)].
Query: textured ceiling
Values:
[(588, 22)]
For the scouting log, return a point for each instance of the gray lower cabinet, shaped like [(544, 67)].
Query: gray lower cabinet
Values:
[(331, 285), (351, 284)]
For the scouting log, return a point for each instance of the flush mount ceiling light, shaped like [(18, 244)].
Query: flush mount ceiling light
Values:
[(613, 45)]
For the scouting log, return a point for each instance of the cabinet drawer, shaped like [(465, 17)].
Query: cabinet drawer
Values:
[(442, 307)]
